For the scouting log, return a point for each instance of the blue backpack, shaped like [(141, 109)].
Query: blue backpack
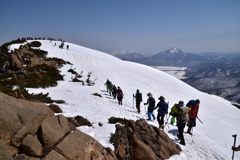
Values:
[(190, 103)]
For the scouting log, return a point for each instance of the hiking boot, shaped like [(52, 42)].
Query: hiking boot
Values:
[(189, 133), (148, 119), (182, 143)]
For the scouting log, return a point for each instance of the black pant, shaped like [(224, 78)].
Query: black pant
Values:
[(181, 127), (138, 106), (160, 119)]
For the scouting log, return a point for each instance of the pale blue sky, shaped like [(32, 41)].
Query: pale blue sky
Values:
[(145, 26)]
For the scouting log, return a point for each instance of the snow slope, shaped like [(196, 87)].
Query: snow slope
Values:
[(211, 140)]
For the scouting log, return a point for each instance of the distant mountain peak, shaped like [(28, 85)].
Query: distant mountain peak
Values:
[(128, 55), (174, 50)]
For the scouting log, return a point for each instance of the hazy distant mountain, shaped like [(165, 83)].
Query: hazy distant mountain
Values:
[(219, 55), (173, 57), (128, 55), (219, 76)]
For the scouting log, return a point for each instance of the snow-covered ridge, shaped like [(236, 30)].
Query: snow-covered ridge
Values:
[(211, 140)]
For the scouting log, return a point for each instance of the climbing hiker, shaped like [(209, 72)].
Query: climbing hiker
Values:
[(194, 105), (107, 85), (138, 97), (181, 113), (114, 92), (162, 111), (119, 95), (110, 88), (151, 106)]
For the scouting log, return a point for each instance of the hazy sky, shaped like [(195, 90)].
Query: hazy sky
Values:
[(145, 26)]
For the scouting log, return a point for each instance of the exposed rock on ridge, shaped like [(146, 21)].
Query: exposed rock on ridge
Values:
[(139, 140), (30, 130)]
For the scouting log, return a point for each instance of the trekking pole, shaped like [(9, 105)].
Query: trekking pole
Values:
[(144, 115), (234, 143), (145, 108), (199, 120), (167, 120)]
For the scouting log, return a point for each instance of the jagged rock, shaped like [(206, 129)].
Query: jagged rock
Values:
[(79, 145), (53, 129), (82, 121), (6, 151), (22, 157), (100, 124), (25, 113), (114, 120), (97, 94), (17, 139), (9, 120), (55, 108), (32, 146), (139, 140), (72, 123), (141, 150), (53, 155), (31, 131)]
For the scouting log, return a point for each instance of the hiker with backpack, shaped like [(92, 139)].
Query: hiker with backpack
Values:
[(138, 97), (162, 111), (181, 113), (119, 95), (151, 106), (194, 105)]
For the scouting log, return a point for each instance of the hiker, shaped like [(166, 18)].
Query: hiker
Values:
[(236, 148), (138, 97), (181, 113), (107, 85), (110, 88), (151, 106), (194, 105), (162, 111), (67, 47), (119, 95), (114, 92)]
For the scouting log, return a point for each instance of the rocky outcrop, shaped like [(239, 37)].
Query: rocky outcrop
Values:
[(30, 130), (139, 140), (55, 108), (79, 121)]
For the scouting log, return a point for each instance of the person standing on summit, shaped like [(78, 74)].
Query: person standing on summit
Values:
[(138, 97)]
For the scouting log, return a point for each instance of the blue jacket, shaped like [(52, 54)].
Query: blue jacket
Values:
[(162, 107)]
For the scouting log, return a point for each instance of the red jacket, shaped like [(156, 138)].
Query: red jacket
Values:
[(194, 111)]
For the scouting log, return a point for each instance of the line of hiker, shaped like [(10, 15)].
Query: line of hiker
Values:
[(114, 91), (184, 114)]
